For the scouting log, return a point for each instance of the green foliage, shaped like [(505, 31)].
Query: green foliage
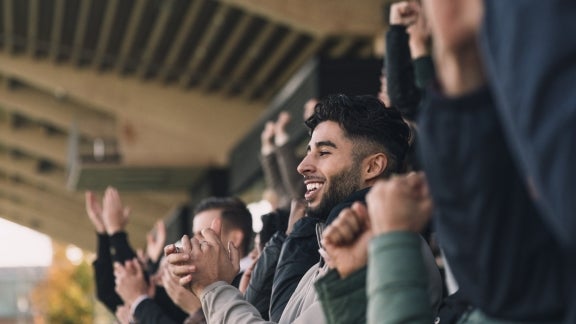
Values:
[(66, 295)]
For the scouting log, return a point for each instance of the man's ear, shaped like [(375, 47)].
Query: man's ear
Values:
[(374, 165), (236, 236)]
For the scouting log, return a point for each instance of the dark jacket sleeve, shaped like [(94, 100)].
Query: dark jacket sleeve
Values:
[(402, 90), (104, 275), (120, 247), (343, 300), (259, 289), (299, 253), (484, 206), (149, 312), (424, 71)]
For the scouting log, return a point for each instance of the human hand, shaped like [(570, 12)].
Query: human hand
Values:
[(201, 263), (455, 25), (94, 211), (267, 139), (245, 280), (181, 296), (419, 33), (346, 240), (281, 137), (403, 13), (114, 215), (155, 241), (130, 281), (401, 203), (123, 315)]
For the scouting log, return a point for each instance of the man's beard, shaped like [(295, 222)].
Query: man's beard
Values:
[(342, 185)]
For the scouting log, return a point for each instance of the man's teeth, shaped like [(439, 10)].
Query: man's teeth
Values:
[(313, 186)]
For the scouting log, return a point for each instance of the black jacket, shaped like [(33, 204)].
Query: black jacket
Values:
[(503, 256), (259, 291)]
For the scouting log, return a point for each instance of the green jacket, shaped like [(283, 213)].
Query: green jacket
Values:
[(399, 285)]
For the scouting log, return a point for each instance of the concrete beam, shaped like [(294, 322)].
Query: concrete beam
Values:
[(345, 16), (212, 123)]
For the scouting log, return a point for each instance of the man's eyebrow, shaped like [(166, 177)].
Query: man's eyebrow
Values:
[(326, 143)]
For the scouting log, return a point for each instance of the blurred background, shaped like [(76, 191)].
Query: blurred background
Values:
[(163, 99)]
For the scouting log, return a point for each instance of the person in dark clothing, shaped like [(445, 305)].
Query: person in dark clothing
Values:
[(494, 141), (408, 65), (110, 220)]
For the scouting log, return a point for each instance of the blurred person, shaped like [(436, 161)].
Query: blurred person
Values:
[(110, 220), (496, 144)]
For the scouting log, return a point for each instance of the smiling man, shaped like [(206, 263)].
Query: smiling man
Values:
[(355, 140)]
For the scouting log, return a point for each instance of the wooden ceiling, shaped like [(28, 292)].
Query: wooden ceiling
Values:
[(171, 83)]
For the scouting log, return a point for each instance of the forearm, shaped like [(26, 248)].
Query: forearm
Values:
[(104, 275), (343, 300), (403, 93), (222, 303), (287, 163), (121, 249), (397, 289)]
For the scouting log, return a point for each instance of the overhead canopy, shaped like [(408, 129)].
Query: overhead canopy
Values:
[(166, 84)]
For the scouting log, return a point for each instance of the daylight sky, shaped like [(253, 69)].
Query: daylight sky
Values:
[(21, 246)]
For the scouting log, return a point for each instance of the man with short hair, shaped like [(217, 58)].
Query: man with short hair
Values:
[(236, 223), (355, 140)]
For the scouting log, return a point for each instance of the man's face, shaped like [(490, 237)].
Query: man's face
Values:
[(204, 219), (329, 171)]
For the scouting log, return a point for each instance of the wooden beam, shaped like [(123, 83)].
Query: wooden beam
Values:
[(80, 33), (180, 40), (61, 114), (215, 70), (145, 207), (305, 55), (320, 18), (166, 9), (272, 60), (37, 142), (144, 108), (130, 35), (342, 47), (9, 25), (105, 32), (28, 169), (48, 222), (69, 211), (57, 29), (33, 17), (204, 43), (242, 67)]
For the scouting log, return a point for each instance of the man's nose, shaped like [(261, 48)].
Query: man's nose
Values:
[(306, 166)]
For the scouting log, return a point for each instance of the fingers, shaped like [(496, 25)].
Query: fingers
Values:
[(345, 228), (170, 249), (126, 212), (161, 231), (215, 226), (234, 254), (186, 244)]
